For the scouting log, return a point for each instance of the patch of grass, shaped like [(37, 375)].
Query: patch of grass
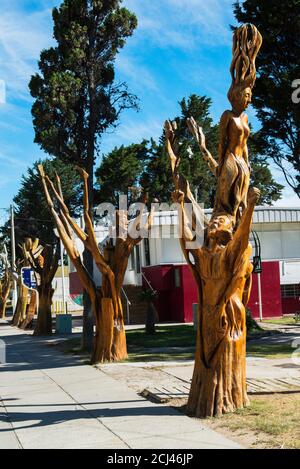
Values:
[(265, 350), (134, 356), (285, 320), (143, 347), (71, 346), (273, 420), (165, 336)]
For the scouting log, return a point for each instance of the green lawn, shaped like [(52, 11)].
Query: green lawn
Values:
[(178, 343), (165, 336), (269, 350), (143, 356), (285, 320)]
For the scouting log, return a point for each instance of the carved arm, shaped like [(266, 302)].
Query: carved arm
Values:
[(197, 132), (240, 241)]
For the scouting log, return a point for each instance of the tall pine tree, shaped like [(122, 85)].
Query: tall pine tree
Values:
[(76, 96)]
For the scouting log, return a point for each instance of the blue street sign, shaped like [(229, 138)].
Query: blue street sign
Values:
[(28, 278)]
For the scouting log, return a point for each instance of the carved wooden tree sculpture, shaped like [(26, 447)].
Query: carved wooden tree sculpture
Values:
[(221, 266), (5, 282), (22, 302), (44, 261), (109, 339), (27, 299), (20, 313)]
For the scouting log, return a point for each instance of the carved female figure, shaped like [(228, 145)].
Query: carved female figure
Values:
[(233, 167)]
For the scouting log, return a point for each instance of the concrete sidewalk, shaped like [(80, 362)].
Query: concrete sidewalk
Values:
[(51, 400)]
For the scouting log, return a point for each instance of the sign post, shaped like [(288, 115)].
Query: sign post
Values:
[(29, 278)]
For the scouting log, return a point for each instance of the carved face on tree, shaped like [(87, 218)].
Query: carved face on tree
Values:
[(220, 228), (241, 98)]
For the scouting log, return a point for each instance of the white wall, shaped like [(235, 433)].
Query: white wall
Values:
[(171, 252), (279, 240), (289, 272)]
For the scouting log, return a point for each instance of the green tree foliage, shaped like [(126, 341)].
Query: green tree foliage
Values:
[(261, 176), (76, 96), (120, 171), (157, 177), (278, 65)]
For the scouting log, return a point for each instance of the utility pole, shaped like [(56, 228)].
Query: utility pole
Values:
[(13, 257), (63, 276), (259, 297), (62, 270)]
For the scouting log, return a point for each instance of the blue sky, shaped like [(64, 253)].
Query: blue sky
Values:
[(180, 47)]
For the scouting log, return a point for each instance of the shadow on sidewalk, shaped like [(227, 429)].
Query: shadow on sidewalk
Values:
[(60, 416), (28, 352)]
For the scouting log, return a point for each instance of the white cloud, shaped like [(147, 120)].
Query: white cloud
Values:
[(11, 161), (289, 199), (22, 37), (135, 131), (132, 131), (138, 74), (184, 23)]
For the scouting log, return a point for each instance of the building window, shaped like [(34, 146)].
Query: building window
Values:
[(147, 251), (290, 291), (138, 259)]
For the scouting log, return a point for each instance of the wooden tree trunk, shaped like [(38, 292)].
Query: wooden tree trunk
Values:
[(31, 310), (44, 318), (109, 340), (3, 300), (2, 308), (21, 307), (219, 386)]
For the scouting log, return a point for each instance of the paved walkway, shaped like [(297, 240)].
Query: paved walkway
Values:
[(51, 400)]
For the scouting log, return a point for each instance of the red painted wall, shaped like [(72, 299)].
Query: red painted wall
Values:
[(190, 292), (175, 303), (75, 284), (270, 291), (290, 305), (169, 303)]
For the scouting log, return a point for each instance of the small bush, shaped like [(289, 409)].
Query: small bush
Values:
[(251, 324), (147, 295)]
